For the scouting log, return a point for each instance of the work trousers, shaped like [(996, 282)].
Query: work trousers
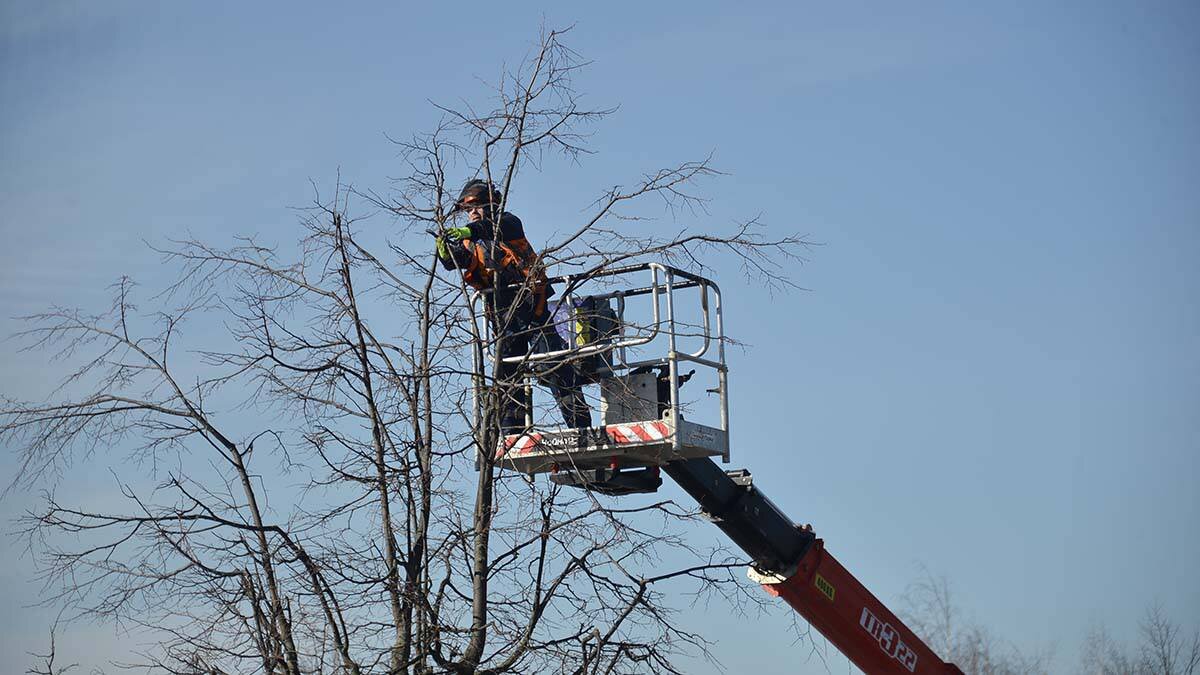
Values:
[(525, 335)]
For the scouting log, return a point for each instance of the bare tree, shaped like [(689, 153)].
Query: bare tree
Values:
[(1163, 649), (929, 609), (322, 498)]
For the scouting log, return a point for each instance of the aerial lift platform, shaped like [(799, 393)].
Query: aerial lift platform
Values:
[(642, 427), (643, 434)]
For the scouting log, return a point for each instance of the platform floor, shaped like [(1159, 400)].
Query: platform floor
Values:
[(629, 444)]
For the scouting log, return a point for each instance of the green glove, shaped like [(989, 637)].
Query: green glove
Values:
[(441, 249), (457, 233)]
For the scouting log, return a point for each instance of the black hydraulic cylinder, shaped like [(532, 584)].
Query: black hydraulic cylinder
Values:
[(732, 502)]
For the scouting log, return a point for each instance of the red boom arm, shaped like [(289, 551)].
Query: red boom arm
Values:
[(853, 619), (791, 563)]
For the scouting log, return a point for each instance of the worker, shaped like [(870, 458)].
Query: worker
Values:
[(493, 255)]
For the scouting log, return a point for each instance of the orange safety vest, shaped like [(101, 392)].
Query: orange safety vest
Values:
[(513, 261)]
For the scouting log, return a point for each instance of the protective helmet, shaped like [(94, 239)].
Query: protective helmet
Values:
[(479, 192)]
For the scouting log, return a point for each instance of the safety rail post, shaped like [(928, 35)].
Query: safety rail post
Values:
[(706, 329), (723, 371), (673, 360), (622, 356), (527, 384)]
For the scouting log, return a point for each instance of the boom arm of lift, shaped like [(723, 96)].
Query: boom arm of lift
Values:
[(791, 563)]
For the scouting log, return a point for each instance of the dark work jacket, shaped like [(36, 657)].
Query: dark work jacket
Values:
[(512, 233), (511, 229), (480, 258)]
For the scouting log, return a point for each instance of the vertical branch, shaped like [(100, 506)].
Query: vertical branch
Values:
[(391, 563)]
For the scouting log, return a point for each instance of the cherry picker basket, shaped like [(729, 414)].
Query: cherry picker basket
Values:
[(637, 363)]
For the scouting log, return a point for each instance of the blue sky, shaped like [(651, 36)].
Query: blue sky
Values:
[(994, 370)]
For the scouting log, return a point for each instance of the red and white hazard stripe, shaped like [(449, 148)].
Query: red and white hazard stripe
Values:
[(629, 433), (520, 445), (527, 443), (639, 432)]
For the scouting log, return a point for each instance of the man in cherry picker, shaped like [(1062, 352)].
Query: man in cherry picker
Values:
[(494, 256)]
